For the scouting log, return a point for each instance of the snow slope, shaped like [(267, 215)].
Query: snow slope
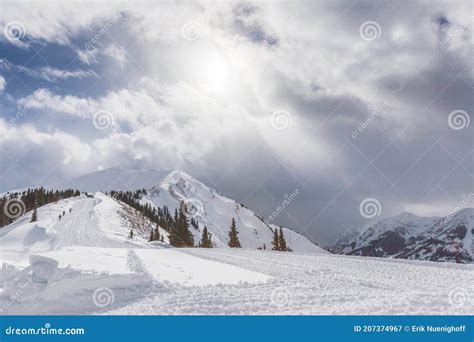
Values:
[(215, 212), (56, 266), (319, 284)]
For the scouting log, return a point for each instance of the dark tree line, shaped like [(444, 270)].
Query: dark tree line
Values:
[(177, 225), (30, 200), (160, 216)]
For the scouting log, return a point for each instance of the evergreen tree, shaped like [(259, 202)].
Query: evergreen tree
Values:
[(233, 236), (206, 240), (282, 241), (156, 234), (276, 241), (152, 235), (180, 235), (34, 216), (174, 237)]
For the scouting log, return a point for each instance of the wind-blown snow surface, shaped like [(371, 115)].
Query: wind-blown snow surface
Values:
[(320, 284)]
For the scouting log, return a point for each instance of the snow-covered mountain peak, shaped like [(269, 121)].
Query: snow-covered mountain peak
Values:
[(214, 211), (412, 237)]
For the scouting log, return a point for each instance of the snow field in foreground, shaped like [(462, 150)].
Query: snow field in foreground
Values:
[(76, 276), (321, 285)]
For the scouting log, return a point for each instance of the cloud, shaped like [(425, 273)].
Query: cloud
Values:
[(117, 53), (87, 56), (3, 84), (47, 72), (208, 99), (33, 157)]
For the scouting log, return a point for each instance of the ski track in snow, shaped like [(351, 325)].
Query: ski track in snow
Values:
[(75, 229)]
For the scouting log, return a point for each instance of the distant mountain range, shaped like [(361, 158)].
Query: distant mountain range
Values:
[(408, 236)]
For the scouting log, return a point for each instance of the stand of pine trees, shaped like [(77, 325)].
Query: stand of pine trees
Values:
[(160, 216), (279, 242), (33, 199), (155, 235), (178, 226), (233, 236), (180, 235)]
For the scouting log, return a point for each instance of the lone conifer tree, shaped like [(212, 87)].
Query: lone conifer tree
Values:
[(156, 234), (152, 236), (276, 241), (282, 242), (206, 240), (233, 236), (34, 216)]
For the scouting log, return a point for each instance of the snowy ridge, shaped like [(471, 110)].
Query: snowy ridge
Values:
[(450, 239), (412, 237), (216, 212)]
